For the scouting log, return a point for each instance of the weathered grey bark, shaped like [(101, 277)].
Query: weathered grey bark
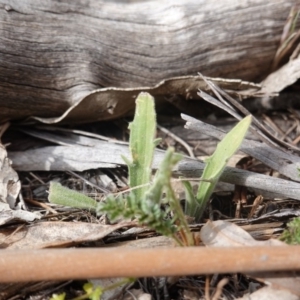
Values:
[(54, 53)]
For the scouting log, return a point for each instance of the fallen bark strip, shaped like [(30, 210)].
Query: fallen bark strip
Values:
[(61, 264), (55, 53), (108, 155), (265, 185)]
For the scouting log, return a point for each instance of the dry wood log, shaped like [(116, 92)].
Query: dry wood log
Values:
[(54, 53)]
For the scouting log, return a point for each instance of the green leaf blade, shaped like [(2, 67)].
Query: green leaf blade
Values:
[(61, 195), (142, 143), (216, 163)]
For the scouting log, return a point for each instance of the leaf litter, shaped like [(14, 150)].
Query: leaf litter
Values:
[(39, 232), (10, 187)]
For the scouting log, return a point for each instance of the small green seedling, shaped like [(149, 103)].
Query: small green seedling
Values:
[(93, 292), (61, 296), (144, 200), (291, 235), (214, 168), (142, 144)]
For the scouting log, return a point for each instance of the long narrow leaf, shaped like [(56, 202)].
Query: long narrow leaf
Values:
[(142, 144), (216, 163), (61, 195)]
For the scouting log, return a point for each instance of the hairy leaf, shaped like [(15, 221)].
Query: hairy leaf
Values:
[(142, 143), (61, 195)]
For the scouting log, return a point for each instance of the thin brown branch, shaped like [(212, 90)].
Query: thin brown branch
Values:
[(61, 264)]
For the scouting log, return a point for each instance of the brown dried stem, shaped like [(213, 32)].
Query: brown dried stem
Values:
[(61, 264)]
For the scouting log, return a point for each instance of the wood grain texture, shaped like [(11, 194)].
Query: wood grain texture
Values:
[(54, 53)]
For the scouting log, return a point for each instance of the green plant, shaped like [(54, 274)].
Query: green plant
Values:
[(215, 165), (144, 200), (291, 235), (61, 296), (61, 195), (147, 209), (93, 292)]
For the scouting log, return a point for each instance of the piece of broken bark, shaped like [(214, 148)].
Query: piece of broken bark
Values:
[(107, 155)]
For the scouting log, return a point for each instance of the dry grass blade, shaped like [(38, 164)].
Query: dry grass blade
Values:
[(237, 110), (289, 38)]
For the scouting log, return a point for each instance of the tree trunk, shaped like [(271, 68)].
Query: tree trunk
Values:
[(54, 53)]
